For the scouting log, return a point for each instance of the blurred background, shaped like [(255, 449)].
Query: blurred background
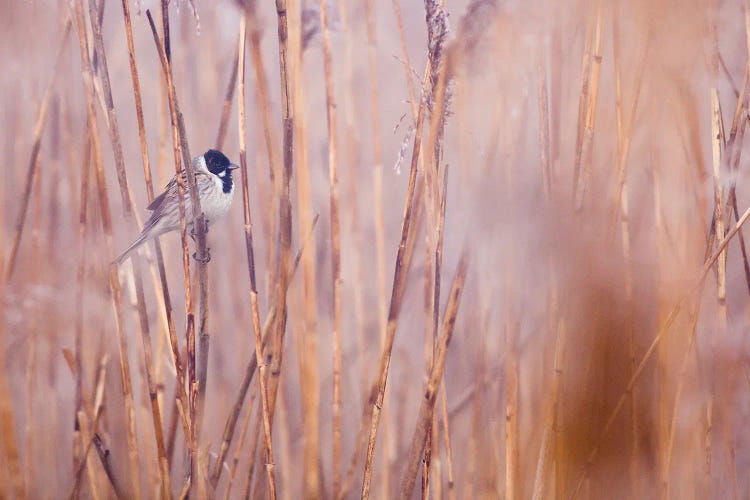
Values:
[(593, 151)]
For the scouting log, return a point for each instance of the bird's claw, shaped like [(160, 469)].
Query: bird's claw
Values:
[(194, 233), (205, 259)]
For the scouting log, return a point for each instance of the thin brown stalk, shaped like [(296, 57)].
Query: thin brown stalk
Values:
[(250, 369), (717, 146), (367, 412), (447, 442), (130, 219), (262, 376), (106, 218), (399, 284), (625, 133), (582, 99), (104, 458), (621, 210), (181, 393), (665, 486), (196, 380), (545, 449), (234, 414), (427, 406), (663, 330), (284, 206), (335, 246), (84, 464), (41, 120), (93, 410), (254, 439), (88, 462), (429, 296), (593, 91), (147, 177), (227, 106), (435, 203), (544, 123)]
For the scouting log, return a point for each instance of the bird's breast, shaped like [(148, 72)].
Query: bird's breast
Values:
[(215, 202)]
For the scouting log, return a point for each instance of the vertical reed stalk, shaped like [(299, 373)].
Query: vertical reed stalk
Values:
[(427, 405), (399, 284), (88, 80), (335, 246), (284, 202), (130, 219), (307, 352), (262, 375)]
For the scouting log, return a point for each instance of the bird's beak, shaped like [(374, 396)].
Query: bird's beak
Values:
[(232, 166)]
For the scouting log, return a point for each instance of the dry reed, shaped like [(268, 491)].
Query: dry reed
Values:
[(586, 158)]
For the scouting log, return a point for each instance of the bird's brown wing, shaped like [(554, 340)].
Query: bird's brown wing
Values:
[(159, 200)]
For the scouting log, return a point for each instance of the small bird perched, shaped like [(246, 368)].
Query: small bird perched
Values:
[(213, 175)]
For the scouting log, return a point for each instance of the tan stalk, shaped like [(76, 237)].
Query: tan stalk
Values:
[(335, 246), (427, 405), (125, 378), (262, 376), (131, 223), (284, 203), (307, 341), (587, 145)]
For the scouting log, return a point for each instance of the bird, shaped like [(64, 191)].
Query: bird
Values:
[(213, 175)]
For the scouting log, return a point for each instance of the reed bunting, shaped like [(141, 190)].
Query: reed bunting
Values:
[(213, 174)]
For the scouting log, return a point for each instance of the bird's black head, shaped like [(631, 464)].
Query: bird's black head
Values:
[(219, 165)]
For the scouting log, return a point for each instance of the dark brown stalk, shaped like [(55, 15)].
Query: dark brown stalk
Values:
[(130, 219), (367, 411), (253, 445), (104, 456), (335, 245), (399, 284), (234, 414), (41, 120), (106, 217), (285, 207), (240, 446), (263, 377), (157, 245), (196, 382), (180, 393), (427, 407), (84, 463)]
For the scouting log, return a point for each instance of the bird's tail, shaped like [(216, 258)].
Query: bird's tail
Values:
[(132, 248)]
